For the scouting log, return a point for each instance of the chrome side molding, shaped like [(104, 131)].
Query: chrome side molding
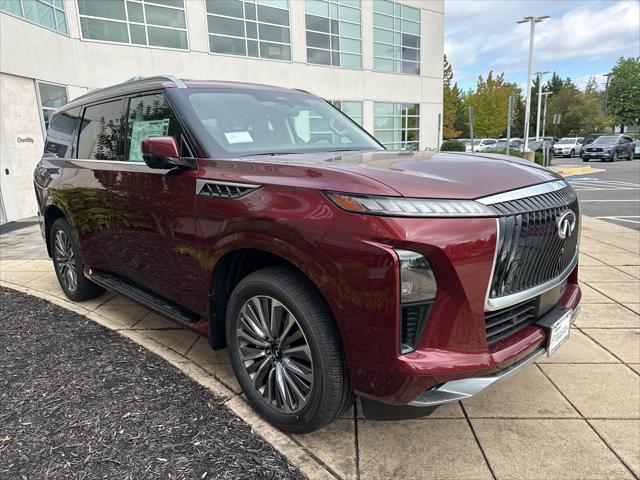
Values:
[(524, 192)]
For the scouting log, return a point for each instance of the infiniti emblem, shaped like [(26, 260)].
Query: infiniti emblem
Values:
[(566, 224)]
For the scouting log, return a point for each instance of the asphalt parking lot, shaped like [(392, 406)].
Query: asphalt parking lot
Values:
[(613, 195)]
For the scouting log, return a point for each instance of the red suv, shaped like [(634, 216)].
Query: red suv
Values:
[(268, 221)]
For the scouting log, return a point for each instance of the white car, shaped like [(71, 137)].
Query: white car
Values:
[(480, 144), (568, 147)]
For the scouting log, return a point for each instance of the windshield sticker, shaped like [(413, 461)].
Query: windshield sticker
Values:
[(238, 137), (144, 129)]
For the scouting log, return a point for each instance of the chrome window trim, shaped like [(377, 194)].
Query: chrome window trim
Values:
[(498, 303), (524, 192)]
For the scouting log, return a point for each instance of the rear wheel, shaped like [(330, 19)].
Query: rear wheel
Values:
[(68, 265), (285, 351)]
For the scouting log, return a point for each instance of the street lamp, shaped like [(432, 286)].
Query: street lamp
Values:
[(544, 115), (527, 111), (539, 75)]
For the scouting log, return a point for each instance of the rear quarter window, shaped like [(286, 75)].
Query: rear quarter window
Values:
[(61, 132), (101, 132)]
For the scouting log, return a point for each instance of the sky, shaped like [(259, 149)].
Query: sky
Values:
[(582, 39)]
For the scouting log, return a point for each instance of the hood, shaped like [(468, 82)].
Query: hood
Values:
[(428, 175), (602, 145), (564, 145)]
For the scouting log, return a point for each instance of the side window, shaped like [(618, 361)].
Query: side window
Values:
[(62, 128), (101, 132), (150, 116)]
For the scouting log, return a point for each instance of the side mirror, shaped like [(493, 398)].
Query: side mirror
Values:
[(162, 153)]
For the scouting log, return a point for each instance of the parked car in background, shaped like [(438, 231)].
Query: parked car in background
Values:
[(326, 265), (501, 146), (540, 144), (480, 143), (636, 150), (610, 148), (588, 140), (567, 146)]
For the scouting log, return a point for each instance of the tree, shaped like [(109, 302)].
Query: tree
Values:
[(623, 98), (452, 100), (554, 84), (490, 103)]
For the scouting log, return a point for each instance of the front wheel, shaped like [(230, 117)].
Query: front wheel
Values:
[(585, 159), (572, 154), (614, 158), (285, 351), (68, 265)]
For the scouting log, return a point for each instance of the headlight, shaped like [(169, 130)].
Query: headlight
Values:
[(418, 290), (409, 207)]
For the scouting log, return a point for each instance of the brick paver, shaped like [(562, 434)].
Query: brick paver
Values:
[(574, 415)]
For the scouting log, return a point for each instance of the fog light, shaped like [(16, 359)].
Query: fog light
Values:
[(418, 290)]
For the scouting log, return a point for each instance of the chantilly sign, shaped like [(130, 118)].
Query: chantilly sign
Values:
[(24, 139)]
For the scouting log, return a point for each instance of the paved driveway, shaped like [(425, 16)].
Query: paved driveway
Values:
[(574, 415)]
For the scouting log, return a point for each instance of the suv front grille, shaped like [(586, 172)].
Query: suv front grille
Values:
[(502, 323), (530, 251)]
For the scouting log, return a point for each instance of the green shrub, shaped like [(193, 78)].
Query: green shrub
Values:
[(452, 146), (539, 157)]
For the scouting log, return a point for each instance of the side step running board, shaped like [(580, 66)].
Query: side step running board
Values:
[(146, 298)]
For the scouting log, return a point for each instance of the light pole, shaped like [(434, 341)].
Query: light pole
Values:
[(606, 93), (544, 115), (539, 75), (527, 110)]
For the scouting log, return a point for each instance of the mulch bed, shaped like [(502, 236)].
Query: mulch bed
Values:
[(79, 401)]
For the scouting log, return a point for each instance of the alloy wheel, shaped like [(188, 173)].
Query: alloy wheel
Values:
[(65, 260), (275, 354)]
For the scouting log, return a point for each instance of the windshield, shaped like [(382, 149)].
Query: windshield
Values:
[(567, 140), (606, 139), (242, 122), (477, 142)]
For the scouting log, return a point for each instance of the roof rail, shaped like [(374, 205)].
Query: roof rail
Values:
[(178, 83)]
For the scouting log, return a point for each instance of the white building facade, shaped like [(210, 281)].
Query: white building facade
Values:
[(380, 61)]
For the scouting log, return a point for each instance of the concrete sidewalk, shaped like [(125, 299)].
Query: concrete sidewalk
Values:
[(574, 415)]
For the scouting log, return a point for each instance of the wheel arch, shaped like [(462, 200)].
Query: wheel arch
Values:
[(51, 214)]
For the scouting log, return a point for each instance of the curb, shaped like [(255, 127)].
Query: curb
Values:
[(297, 454)]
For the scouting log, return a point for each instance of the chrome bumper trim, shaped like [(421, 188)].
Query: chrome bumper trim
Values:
[(508, 300), (457, 390)]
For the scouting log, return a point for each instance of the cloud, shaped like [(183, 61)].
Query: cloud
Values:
[(483, 35)]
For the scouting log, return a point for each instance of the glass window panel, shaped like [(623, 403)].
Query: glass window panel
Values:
[(383, 65), (383, 6), (350, 46), (410, 41), (166, 17), (52, 96), (104, 30), (410, 27), (333, 10), (385, 136), (383, 123), (101, 134), (317, 7), (353, 109), (163, 37), (349, 30), (335, 59), (252, 30), (317, 23), (381, 50), (275, 51), (226, 26), (230, 46), (113, 9), (138, 34), (411, 67), (350, 3), (383, 109), (335, 42), (135, 12), (273, 33), (249, 11), (231, 8), (169, 3), (39, 13), (335, 26), (61, 22), (252, 49), (410, 54), (382, 21), (318, 40), (410, 13), (273, 15), (322, 57), (382, 35), (58, 4), (350, 14), (282, 4), (349, 60), (11, 6)]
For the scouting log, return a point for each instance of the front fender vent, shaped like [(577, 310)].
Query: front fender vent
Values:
[(230, 190)]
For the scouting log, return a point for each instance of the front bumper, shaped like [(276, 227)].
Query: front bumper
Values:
[(596, 156), (457, 390)]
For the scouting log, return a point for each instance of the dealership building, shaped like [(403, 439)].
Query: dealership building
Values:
[(380, 61)]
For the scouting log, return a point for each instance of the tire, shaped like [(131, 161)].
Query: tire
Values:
[(572, 154), (614, 158), (584, 159), (317, 367), (68, 264)]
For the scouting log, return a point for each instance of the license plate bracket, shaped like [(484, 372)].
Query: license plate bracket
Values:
[(558, 326)]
